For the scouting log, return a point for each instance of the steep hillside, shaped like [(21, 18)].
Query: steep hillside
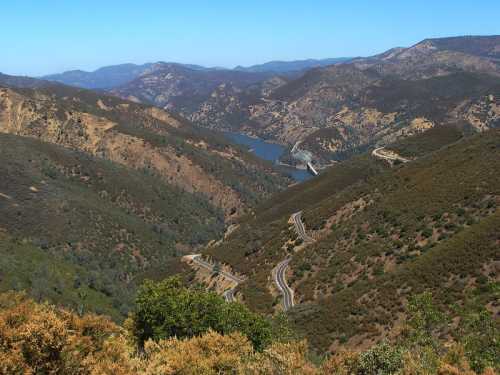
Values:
[(80, 230), (343, 109), (184, 89), (340, 110), (484, 46), (436, 57), (476, 45), (142, 138), (98, 193), (381, 234)]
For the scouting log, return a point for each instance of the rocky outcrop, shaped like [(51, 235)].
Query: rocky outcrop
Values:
[(341, 109), (138, 137)]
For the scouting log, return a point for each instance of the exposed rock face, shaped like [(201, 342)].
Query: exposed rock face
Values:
[(482, 113), (139, 137), (340, 109), (174, 86), (334, 121), (428, 59)]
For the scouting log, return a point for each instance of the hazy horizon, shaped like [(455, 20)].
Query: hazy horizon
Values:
[(47, 37)]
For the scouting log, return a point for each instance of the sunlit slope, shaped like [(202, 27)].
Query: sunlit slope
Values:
[(108, 223), (431, 223)]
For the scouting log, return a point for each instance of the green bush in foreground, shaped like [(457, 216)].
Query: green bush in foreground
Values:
[(44, 339), (169, 309)]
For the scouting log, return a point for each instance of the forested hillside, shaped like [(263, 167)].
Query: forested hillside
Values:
[(210, 188), (142, 138), (381, 234), (97, 193), (81, 231)]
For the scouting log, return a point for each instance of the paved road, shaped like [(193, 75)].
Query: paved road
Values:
[(228, 294), (280, 270), (198, 260), (377, 153), (280, 280), (299, 227), (279, 273)]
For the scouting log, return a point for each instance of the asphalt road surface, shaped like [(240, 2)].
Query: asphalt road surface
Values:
[(379, 154), (299, 227), (280, 280), (228, 294)]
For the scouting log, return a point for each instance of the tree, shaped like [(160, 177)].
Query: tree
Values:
[(169, 309), (382, 359), (480, 337), (424, 321)]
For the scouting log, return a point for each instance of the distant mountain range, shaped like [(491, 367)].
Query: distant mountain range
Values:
[(340, 109), (101, 189), (183, 89), (22, 81), (334, 107), (283, 67), (116, 75), (111, 76), (103, 78)]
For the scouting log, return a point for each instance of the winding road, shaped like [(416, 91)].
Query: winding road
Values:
[(279, 275), (390, 157), (299, 227), (229, 293), (279, 272)]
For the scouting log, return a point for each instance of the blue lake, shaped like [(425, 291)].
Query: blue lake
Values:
[(267, 151)]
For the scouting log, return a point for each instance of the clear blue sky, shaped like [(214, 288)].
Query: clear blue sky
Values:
[(42, 36)]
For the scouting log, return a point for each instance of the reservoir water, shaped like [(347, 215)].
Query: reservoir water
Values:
[(267, 151)]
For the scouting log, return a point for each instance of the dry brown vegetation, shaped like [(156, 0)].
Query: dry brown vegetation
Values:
[(141, 138), (342, 109), (113, 190), (43, 339)]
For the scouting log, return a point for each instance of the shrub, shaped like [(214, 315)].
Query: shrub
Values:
[(211, 353), (169, 309), (343, 363), (282, 358), (380, 360), (424, 320), (49, 170), (480, 336), (41, 339)]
